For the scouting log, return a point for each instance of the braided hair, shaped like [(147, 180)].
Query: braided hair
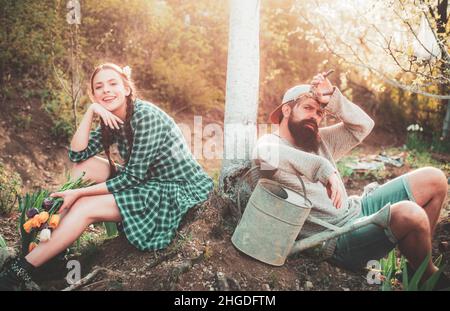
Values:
[(107, 132)]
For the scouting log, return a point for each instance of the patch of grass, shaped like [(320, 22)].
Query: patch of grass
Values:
[(418, 159), (215, 174), (182, 240), (376, 175), (62, 130), (441, 145), (372, 175), (10, 184), (22, 120), (416, 141), (57, 104), (273, 280), (88, 242), (342, 166)]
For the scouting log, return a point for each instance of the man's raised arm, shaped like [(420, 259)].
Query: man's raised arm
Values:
[(355, 125)]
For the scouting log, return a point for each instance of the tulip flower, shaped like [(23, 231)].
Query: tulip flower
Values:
[(47, 204), (45, 235), (35, 222), (43, 217), (27, 226), (32, 212), (54, 221)]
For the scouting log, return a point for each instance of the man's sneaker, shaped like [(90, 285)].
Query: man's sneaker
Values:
[(16, 276)]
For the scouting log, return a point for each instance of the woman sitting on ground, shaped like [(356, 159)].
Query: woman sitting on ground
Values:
[(158, 183)]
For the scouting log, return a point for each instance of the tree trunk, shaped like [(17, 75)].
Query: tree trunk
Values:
[(242, 87), (441, 22)]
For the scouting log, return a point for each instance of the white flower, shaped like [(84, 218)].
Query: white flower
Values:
[(127, 71), (421, 129), (416, 128), (410, 127), (45, 235)]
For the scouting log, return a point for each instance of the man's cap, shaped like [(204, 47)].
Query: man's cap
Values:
[(292, 94)]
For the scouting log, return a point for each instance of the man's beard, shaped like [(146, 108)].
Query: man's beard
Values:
[(305, 137)]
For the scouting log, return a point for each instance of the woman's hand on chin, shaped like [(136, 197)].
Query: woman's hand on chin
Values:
[(108, 118)]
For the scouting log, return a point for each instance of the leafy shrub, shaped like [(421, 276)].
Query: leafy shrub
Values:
[(415, 139), (441, 145)]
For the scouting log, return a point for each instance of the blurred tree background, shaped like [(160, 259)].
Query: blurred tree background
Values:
[(178, 51)]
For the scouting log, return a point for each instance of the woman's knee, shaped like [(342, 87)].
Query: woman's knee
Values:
[(95, 169), (83, 210), (94, 209)]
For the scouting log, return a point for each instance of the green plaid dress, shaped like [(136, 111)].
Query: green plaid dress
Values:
[(160, 182)]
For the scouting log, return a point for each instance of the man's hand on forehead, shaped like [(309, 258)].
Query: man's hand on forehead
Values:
[(321, 77), (321, 88)]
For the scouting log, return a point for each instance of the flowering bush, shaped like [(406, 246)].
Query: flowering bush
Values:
[(39, 214), (415, 139)]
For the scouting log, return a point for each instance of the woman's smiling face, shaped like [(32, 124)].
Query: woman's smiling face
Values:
[(109, 89)]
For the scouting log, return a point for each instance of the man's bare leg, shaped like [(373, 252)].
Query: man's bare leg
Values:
[(429, 188)]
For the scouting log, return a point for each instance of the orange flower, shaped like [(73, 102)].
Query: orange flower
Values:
[(43, 217), (28, 226), (54, 221), (35, 222), (32, 246)]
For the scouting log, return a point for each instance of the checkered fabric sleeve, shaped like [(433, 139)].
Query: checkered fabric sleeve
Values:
[(94, 147)]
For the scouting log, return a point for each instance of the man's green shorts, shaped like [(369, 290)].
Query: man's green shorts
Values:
[(372, 242)]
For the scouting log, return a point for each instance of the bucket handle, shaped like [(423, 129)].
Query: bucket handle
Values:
[(253, 168)]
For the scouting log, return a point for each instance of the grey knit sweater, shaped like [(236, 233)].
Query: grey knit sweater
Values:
[(316, 168)]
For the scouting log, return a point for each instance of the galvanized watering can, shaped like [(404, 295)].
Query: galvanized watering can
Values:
[(273, 218)]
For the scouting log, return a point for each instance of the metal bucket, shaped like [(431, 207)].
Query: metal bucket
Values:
[(271, 222)]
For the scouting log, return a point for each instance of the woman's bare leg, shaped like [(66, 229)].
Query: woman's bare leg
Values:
[(85, 211), (96, 169)]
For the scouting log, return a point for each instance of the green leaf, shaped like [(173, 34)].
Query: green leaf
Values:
[(414, 285), (432, 280), (24, 235), (388, 267), (111, 229), (405, 279), (2, 242), (438, 261)]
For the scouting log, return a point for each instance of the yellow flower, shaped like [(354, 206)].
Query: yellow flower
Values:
[(32, 246), (28, 226), (43, 217), (54, 221)]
